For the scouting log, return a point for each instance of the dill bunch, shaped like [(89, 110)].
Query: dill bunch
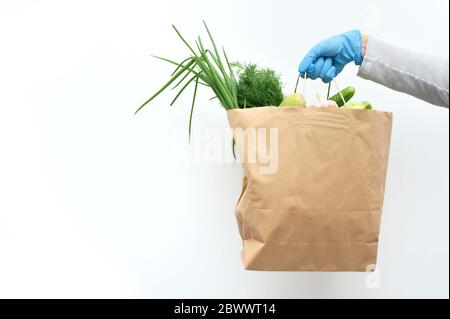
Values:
[(258, 87)]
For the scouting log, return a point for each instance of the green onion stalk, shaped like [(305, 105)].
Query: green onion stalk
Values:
[(205, 67)]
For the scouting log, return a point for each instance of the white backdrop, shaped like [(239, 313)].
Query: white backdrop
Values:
[(91, 207)]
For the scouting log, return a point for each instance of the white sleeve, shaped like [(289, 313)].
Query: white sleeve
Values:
[(423, 76)]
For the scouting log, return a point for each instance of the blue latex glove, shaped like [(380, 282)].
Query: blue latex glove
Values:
[(328, 58)]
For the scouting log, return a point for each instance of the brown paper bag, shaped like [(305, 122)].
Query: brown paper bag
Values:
[(320, 208)]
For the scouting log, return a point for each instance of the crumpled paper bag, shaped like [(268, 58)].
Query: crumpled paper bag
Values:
[(312, 193)]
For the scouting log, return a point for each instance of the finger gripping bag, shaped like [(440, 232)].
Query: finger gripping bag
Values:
[(316, 204)]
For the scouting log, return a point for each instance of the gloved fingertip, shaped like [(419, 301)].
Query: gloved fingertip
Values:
[(306, 62), (326, 79), (330, 75)]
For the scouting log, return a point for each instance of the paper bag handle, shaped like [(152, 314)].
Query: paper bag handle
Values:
[(339, 90), (329, 87), (304, 83)]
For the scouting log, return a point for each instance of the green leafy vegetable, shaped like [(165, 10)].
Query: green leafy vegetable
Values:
[(258, 87)]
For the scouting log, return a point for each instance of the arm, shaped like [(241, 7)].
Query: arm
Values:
[(423, 76)]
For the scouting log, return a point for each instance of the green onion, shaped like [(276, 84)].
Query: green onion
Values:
[(192, 107), (206, 67)]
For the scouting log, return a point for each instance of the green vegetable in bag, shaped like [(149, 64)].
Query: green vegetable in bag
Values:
[(294, 100), (358, 105), (258, 87), (347, 93)]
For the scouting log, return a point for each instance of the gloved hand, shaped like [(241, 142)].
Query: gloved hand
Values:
[(328, 58)]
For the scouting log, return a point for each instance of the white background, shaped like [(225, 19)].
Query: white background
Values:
[(90, 206)]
